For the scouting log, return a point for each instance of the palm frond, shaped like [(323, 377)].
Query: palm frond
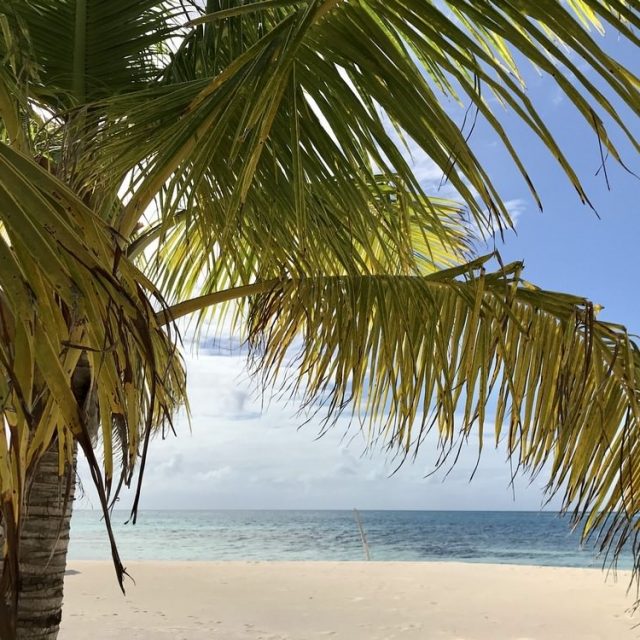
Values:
[(402, 355), (255, 105), (83, 50), (189, 258), (66, 293)]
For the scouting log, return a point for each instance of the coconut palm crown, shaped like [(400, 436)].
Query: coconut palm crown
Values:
[(245, 160)]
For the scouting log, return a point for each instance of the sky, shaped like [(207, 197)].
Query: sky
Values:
[(239, 454)]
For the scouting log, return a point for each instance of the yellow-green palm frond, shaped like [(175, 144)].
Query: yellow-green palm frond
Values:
[(16, 74), (188, 258), (402, 355), (66, 293), (11, 111)]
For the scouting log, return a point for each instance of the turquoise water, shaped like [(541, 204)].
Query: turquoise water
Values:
[(538, 538)]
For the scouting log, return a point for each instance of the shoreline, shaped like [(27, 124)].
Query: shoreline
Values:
[(604, 571), (347, 600)]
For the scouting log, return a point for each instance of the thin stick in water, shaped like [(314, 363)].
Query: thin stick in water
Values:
[(363, 535)]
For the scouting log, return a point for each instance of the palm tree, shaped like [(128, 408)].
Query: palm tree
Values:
[(164, 158)]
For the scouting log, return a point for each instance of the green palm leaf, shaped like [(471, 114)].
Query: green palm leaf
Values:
[(82, 50), (194, 259), (270, 116)]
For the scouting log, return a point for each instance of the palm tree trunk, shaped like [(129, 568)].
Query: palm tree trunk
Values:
[(44, 537), (43, 549)]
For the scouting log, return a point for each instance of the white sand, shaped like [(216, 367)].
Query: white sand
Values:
[(346, 601)]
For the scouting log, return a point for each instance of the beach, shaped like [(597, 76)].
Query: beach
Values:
[(345, 600)]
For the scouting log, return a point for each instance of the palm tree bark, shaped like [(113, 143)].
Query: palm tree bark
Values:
[(43, 549), (44, 537)]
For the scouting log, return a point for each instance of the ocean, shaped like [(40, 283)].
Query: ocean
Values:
[(509, 537)]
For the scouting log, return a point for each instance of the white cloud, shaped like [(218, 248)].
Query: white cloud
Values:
[(215, 475), (558, 97), (238, 456), (516, 207)]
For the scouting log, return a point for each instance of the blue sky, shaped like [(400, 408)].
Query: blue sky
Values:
[(567, 247), (241, 455)]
